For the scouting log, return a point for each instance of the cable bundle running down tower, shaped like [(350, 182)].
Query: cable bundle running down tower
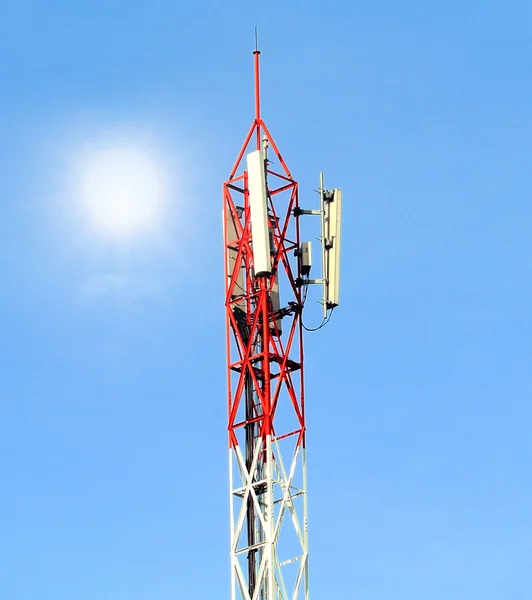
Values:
[(266, 407)]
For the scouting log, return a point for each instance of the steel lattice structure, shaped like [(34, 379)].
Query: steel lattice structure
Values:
[(266, 409)]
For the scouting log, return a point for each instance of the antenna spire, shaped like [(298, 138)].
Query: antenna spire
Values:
[(256, 53), (258, 120)]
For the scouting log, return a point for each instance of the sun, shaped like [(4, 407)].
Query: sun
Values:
[(122, 190)]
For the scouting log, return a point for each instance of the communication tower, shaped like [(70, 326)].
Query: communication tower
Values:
[(267, 274)]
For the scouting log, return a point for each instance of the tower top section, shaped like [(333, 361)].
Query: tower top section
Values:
[(258, 133)]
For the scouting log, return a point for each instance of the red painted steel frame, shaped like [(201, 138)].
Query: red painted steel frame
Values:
[(273, 362)]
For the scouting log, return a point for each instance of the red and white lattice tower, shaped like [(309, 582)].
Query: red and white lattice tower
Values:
[(266, 408)]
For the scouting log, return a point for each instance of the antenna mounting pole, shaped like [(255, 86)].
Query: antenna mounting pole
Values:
[(256, 54)]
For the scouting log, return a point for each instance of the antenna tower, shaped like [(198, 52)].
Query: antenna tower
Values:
[(266, 274)]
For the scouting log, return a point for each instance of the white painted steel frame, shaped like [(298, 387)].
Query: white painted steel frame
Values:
[(280, 501)]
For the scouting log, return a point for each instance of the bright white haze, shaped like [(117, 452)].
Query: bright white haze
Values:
[(122, 190)]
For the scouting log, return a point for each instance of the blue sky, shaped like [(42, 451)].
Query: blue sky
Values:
[(112, 358)]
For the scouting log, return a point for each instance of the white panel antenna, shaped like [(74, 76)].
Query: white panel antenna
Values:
[(275, 297), (258, 204), (330, 213), (230, 235), (331, 239)]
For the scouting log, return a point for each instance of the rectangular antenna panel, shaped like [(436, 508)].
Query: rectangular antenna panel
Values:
[(231, 237), (305, 258), (276, 305), (333, 223), (258, 204)]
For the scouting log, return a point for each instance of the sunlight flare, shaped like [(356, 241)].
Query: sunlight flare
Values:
[(122, 190)]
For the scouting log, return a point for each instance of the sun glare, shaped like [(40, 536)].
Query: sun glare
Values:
[(122, 190)]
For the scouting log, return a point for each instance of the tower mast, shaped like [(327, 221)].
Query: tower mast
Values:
[(266, 409)]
